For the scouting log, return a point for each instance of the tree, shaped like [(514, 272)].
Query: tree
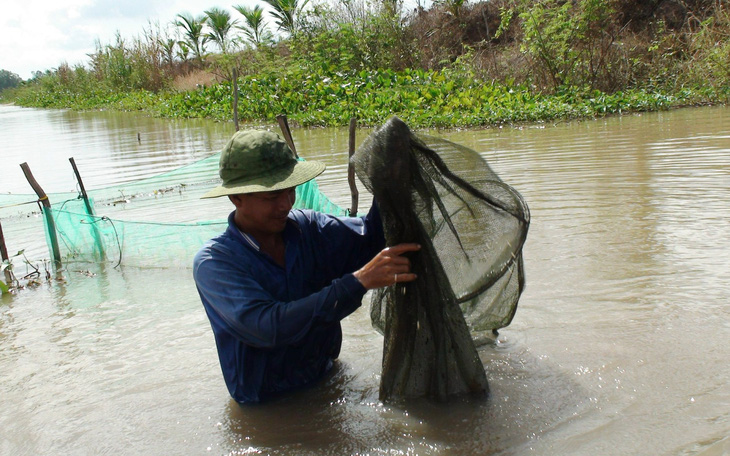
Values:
[(194, 37), (220, 24), (286, 13), (183, 51), (168, 50), (255, 26), (9, 80), (571, 41)]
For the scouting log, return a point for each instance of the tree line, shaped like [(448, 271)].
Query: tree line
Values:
[(574, 50)]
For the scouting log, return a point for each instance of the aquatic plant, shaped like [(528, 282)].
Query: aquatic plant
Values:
[(534, 61), (4, 288), (7, 270)]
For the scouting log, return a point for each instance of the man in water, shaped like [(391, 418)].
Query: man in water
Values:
[(276, 284)]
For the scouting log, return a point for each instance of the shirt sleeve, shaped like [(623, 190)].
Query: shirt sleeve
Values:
[(349, 242), (234, 300)]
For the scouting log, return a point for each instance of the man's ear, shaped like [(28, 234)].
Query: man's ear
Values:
[(235, 199)]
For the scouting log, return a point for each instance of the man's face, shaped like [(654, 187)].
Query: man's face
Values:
[(264, 212)]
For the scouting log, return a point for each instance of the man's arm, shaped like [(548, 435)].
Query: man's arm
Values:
[(358, 243), (237, 302)]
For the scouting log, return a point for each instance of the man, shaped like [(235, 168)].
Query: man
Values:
[(277, 282)]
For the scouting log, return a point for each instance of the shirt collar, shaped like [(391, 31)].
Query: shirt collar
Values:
[(250, 240), (292, 227)]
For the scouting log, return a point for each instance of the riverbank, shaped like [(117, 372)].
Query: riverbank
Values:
[(423, 99), (453, 65)]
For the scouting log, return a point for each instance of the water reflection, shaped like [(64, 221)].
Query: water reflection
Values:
[(105, 145)]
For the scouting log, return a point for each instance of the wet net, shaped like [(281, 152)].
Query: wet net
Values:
[(150, 222), (85, 237), (471, 226)]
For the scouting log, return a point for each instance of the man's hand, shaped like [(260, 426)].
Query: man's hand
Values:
[(387, 267)]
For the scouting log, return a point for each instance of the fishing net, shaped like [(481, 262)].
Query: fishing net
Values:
[(85, 237), (150, 222), (471, 227), (197, 174)]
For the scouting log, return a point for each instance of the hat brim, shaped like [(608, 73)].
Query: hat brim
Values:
[(301, 172)]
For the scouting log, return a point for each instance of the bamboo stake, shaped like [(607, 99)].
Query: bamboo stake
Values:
[(43, 198), (284, 125), (235, 97), (81, 186), (89, 210), (4, 256), (354, 194)]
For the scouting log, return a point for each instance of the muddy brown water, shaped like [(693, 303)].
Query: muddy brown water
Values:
[(619, 345)]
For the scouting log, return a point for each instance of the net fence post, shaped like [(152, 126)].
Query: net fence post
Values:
[(235, 97), (4, 257), (94, 229), (354, 193), (43, 198), (284, 125)]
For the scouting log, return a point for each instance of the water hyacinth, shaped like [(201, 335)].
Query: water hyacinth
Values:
[(423, 98)]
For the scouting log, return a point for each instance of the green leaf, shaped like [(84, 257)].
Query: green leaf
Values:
[(4, 288)]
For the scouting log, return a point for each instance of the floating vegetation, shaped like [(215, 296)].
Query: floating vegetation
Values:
[(423, 98)]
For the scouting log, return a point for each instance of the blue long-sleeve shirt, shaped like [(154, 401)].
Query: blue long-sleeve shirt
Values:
[(278, 328)]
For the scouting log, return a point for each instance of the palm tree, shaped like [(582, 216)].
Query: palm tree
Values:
[(220, 24), (168, 49), (183, 51), (194, 37), (255, 26), (287, 13)]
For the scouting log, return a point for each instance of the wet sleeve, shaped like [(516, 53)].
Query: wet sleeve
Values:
[(238, 303)]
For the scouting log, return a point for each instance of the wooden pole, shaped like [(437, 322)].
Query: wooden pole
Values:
[(235, 97), (284, 125), (81, 186), (43, 198), (89, 210), (4, 256), (354, 194)]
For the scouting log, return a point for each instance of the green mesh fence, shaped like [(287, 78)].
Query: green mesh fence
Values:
[(85, 235), (85, 238), (198, 174), (310, 197)]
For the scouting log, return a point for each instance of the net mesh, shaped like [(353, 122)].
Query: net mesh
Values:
[(124, 229), (471, 226), (197, 174), (86, 238)]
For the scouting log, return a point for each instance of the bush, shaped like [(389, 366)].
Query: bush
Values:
[(455, 64)]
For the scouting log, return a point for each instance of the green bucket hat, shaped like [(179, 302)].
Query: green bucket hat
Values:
[(260, 161)]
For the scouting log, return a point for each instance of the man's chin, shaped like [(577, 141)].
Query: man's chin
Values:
[(279, 224)]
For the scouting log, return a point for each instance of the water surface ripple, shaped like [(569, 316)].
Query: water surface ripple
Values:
[(619, 345)]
